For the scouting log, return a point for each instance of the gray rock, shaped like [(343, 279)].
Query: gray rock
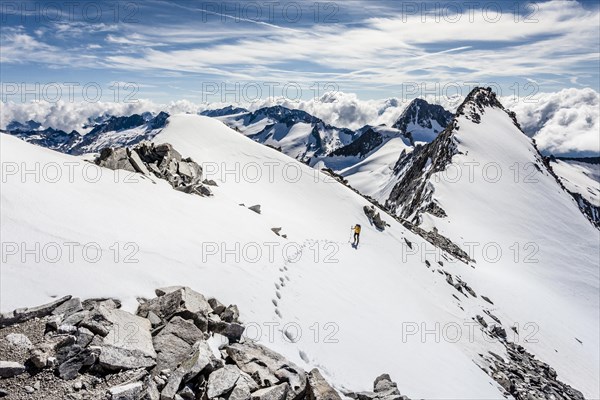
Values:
[(8, 369), (137, 163), (232, 331), (75, 318), (115, 159), (278, 392), (255, 208), (84, 336), (385, 387), (268, 367), (73, 358), (25, 314), (374, 217), (39, 358), (174, 342), (68, 307), (319, 389), (128, 343), (216, 305), (222, 381), (243, 387), (231, 314), (201, 358), (19, 340), (183, 302), (130, 391)]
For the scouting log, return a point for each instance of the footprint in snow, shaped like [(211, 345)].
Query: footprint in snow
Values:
[(277, 286), (278, 313), (274, 302), (278, 294), (303, 356)]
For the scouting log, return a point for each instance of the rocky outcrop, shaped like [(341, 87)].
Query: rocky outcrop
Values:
[(383, 389), (93, 349), (524, 378), (375, 218), (161, 161)]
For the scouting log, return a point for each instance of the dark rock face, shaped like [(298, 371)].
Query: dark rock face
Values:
[(412, 195), (320, 141), (421, 113), (161, 161), (362, 146), (50, 138)]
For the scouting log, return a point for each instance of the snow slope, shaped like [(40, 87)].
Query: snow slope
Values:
[(360, 302), (532, 244), (580, 177)]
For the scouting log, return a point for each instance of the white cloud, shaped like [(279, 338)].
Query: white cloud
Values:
[(565, 122), (393, 50)]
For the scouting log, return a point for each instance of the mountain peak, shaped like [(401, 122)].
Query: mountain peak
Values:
[(422, 121), (478, 100)]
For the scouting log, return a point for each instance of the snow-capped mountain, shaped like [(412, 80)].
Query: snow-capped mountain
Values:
[(483, 184), (422, 122), (294, 132), (402, 282), (104, 131), (223, 112)]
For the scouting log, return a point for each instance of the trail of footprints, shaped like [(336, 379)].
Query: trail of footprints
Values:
[(283, 278)]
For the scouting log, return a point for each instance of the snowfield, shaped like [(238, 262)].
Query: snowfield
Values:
[(311, 296), (580, 177)]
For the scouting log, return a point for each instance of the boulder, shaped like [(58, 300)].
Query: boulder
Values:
[(137, 163), (130, 391), (69, 307), (8, 369), (232, 331), (25, 314), (115, 159), (128, 343), (216, 305), (18, 340), (383, 389), (201, 359), (174, 342), (183, 302), (384, 386), (374, 217), (255, 208), (243, 387), (268, 367), (222, 380), (319, 389), (231, 314), (279, 392)]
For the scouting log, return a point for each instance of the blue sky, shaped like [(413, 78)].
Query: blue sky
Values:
[(239, 51)]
